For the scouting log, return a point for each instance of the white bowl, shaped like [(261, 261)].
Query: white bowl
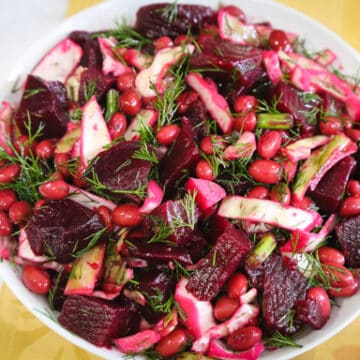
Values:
[(103, 16)]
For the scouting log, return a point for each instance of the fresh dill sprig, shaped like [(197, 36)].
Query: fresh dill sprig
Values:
[(270, 108), (301, 48), (126, 36), (93, 240), (165, 104), (189, 206), (145, 153), (279, 340), (48, 313), (33, 172), (104, 191), (89, 89), (181, 271), (169, 12), (76, 114), (31, 92), (161, 231), (53, 289)]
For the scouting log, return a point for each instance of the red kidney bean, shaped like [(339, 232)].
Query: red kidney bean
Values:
[(105, 216), (279, 41), (280, 192), (330, 256), (167, 134), (259, 192), (5, 225), (60, 160), (353, 188), (237, 286), (125, 81), (172, 343), (126, 215), (225, 307), (321, 297), (350, 206), (246, 122), (181, 39), (244, 338), (269, 144), (9, 173), (345, 291), (211, 142), (117, 125), (54, 190), (19, 212), (266, 171), (204, 171), (45, 149), (305, 204), (39, 203), (7, 198), (130, 102), (245, 104), (162, 43), (35, 279), (338, 277), (353, 134), (23, 146), (330, 125), (235, 11)]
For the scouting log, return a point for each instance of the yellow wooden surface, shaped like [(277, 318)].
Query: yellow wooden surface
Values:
[(23, 337)]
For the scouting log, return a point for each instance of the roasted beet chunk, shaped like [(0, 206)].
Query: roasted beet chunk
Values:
[(118, 171), (61, 229), (173, 214), (348, 233), (282, 288), (156, 285), (309, 312), (43, 102), (160, 252), (330, 190), (240, 64), (92, 55), (293, 101), (93, 81), (183, 155), (157, 20), (96, 320), (218, 265)]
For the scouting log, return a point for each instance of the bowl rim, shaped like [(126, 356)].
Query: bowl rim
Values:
[(45, 42)]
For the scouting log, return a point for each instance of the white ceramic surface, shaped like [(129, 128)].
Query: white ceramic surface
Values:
[(103, 16)]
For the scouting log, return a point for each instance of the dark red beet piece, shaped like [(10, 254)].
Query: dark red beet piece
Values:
[(62, 228), (92, 54), (197, 117), (160, 252), (117, 170), (292, 102), (309, 312), (243, 62), (197, 245), (47, 105), (170, 212), (155, 20), (330, 190), (348, 233), (96, 320), (216, 226), (56, 293), (155, 284), (182, 156), (282, 288), (217, 266), (94, 78)]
